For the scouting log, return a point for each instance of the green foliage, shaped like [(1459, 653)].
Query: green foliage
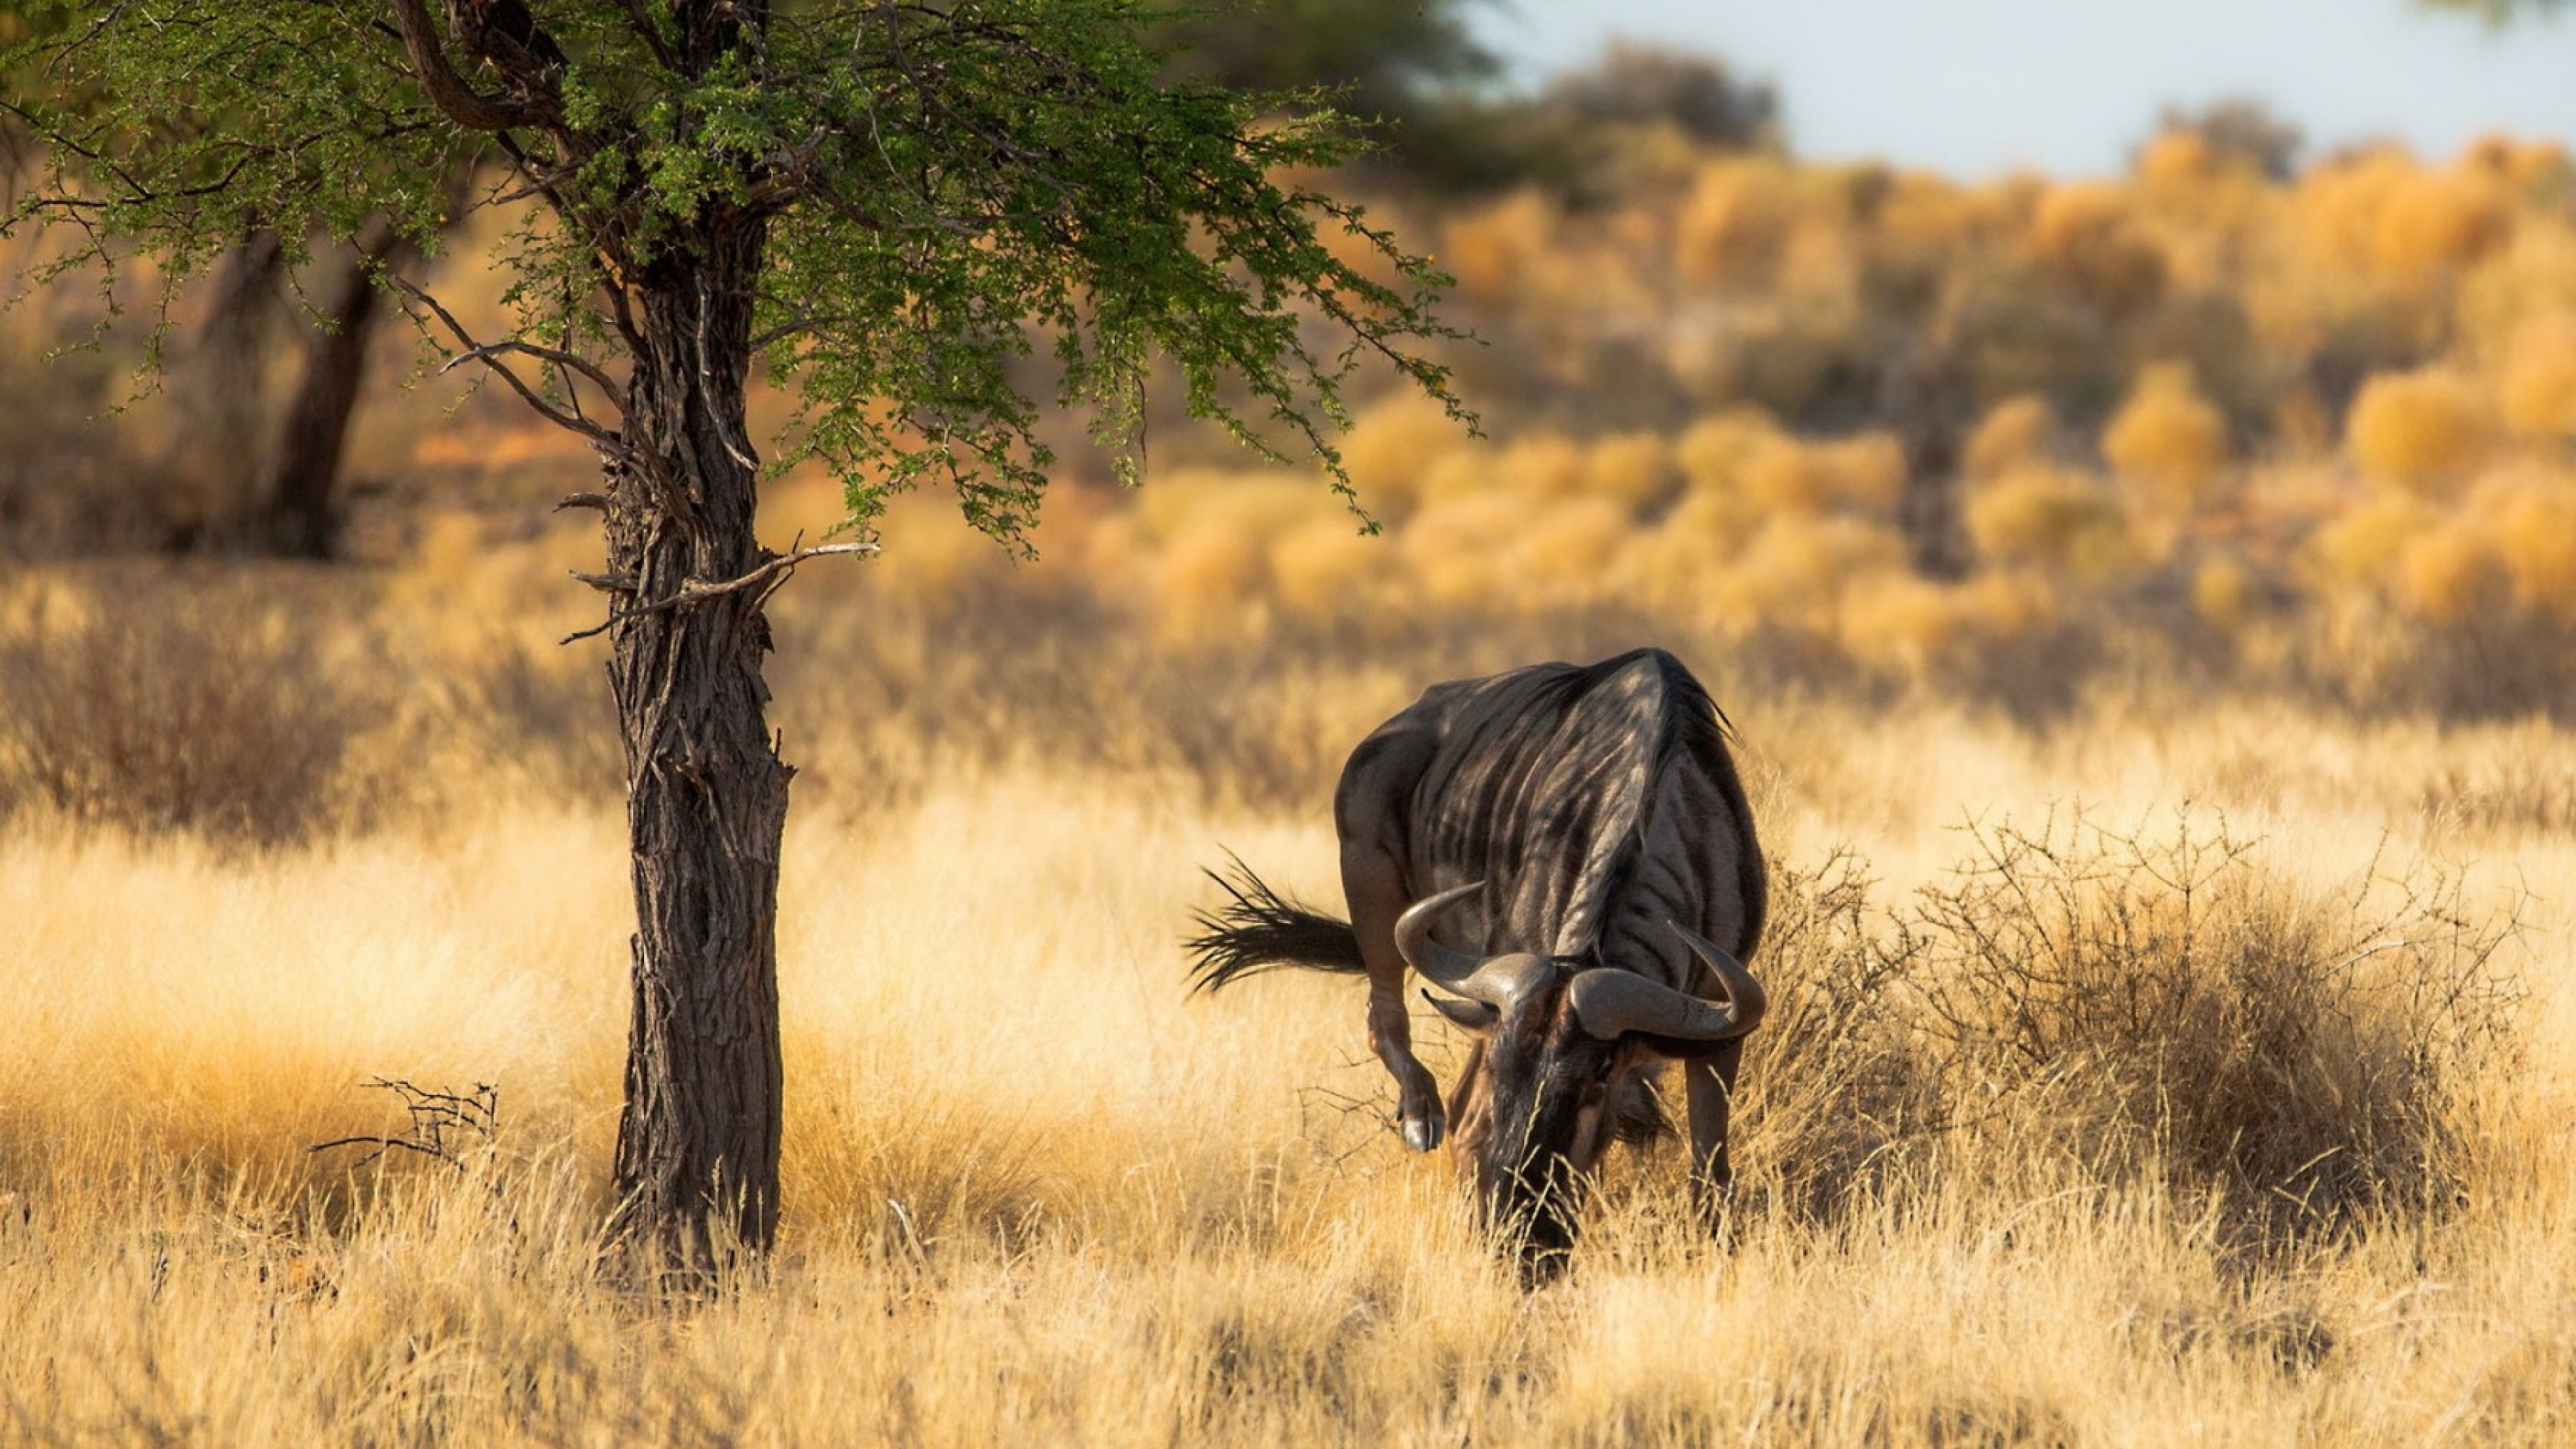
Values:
[(932, 187)]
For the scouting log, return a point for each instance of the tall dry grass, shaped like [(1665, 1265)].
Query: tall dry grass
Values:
[(2055, 1135)]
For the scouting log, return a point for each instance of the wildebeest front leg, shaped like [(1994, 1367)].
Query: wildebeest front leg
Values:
[(1373, 886), (1709, 1083)]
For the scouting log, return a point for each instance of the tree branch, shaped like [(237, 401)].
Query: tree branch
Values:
[(560, 358), (447, 90), (489, 356)]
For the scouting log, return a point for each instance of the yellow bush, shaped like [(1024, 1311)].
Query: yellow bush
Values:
[(1793, 572), (2454, 572), (1453, 549), (2363, 545), (2010, 435), (2053, 518), (1393, 447), (1565, 550), (1634, 469), (2222, 592), (2539, 384), (2177, 163), (1735, 224), (2417, 430), (2532, 515), (1784, 474), (2168, 437), (2440, 220), (2339, 204), (2533, 279), (2086, 237), (1899, 618), (1714, 452), (1541, 465), (1329, 567), (1867, 472), (1491, 251), (1214, 567)]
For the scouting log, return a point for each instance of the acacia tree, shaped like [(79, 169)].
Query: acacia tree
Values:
[(908, 209)]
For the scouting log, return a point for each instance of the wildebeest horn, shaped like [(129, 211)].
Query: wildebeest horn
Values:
[(1610, 1002), (1444, 964), (1490, 981)]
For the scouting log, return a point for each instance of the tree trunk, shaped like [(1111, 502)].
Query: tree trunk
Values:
[(706, 794), (1926, 401), (300, 520), (217, 457)]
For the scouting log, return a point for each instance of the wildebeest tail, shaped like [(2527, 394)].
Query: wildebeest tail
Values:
[(1259, 930)]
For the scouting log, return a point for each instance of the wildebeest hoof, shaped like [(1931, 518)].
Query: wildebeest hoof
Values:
[(1422, 1133)]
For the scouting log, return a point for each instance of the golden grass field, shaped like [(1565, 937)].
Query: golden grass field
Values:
[(2174, 950), (1036, 1195)]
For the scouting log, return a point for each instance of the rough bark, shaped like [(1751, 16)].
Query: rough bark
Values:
[(706, 799), (301, 518)]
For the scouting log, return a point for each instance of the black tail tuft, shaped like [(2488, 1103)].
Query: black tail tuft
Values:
[(1263, 930)]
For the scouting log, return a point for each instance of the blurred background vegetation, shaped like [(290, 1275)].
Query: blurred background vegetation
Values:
[(2244, 417)]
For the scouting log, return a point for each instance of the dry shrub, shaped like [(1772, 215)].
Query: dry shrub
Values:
[(1209, 573), (1492, 251), (2361, 547), (2087, 239), (1633, 469), (1927, 627), (2433, 221), (2013, 433), (1453, 548), (1834, 1089), (1736, 223), (1541, 465), (195, 701), (1715, 452), (2420, 431), (2222, 593), (1393, 447), (1795, 570), (1328, 567), (2170, 1006), (2539, 383), (2455, 573), (2052, 518), (1565, 549), (2168, 437), (2533, 514), (1862, 474)]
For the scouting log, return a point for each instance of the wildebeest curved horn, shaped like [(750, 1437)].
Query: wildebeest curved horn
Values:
[(1610, 1002), (1444, 964)]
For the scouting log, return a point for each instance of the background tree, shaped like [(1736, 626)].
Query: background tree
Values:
[(894, 204)]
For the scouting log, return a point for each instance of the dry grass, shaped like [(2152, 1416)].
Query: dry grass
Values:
[(2009, 1136)]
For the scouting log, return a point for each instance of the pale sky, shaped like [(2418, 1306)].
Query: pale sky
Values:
[(2069, 86)]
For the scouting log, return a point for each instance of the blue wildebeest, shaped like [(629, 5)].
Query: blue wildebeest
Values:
[(1567, 850)]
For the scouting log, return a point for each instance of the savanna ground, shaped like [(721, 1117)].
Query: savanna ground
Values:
[(2174, 1030)]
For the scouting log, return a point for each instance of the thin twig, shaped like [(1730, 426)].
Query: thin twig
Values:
[(695, 591)]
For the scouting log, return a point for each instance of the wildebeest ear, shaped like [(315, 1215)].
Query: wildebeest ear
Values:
[(1678, 1049), (1471, 1015)]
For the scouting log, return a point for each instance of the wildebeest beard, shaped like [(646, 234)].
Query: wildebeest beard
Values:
[(1540, 1104)]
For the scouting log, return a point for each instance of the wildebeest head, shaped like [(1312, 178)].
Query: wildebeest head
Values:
[(1561, 1041)]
